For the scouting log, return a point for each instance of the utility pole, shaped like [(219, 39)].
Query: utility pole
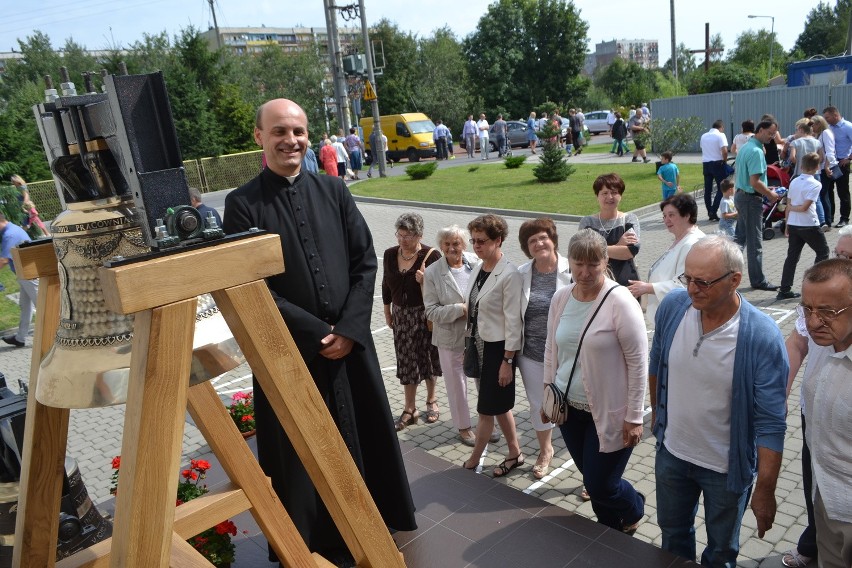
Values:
[(674, 41), (215, 25), (379, 151), (336, 65)]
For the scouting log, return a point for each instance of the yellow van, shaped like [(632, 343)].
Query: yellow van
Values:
[(409, 135)]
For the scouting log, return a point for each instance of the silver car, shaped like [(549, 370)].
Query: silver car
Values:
[(596, 121)]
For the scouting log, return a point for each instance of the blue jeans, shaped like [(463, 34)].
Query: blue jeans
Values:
[(679, 484), (749, 233), (615, 502)]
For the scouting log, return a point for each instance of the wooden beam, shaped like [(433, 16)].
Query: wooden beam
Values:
[(153, 436), (45, 435), (156, 282), (35, 260), (212, 419), (272, 354)]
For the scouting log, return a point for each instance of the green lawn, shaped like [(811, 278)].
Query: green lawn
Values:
[(492, 185), (9, 312)]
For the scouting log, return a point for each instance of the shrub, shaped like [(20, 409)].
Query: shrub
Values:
[(421, 171), (675, 135), (514, 162), (552, 166)]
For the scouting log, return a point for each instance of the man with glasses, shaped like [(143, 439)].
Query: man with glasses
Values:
[(824, 335), (717, 377)]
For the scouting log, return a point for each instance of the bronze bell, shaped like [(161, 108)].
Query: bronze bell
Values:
[(111, 184)]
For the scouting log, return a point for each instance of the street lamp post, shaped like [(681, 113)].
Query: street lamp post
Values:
[(771, 42)]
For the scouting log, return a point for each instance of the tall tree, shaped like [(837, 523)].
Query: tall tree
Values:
[(825, 30), (723, 77), (685, 61), (752, 52), (524, 52), (627, 82), (397, 85), (443, 90)]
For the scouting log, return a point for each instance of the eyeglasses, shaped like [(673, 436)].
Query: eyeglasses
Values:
[(842, 255), (536, 240), (703, 284), (405, 237), (479, 241), (824, 315)]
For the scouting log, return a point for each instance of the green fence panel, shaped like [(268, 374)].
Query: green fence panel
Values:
[(233, 170)]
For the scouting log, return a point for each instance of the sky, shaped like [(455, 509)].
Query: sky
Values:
[(99, 24)]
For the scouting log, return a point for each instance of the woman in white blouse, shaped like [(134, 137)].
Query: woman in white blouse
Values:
[(680, 214)]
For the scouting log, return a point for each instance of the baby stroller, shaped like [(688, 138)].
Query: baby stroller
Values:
[(773, 212)]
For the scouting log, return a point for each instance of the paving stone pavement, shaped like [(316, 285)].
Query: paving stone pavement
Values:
[(95, 434)]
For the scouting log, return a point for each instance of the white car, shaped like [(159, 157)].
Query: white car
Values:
[(596, 121)]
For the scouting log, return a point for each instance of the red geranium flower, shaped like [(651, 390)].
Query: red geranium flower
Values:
[(116, 462)]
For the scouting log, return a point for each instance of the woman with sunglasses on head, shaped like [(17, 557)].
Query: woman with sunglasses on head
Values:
[(494, 321), (416, 358)]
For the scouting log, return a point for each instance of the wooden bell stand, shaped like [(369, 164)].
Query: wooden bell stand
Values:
[(149, 531)]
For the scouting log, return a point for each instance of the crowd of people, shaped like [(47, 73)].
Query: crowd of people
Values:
[(717, 369)]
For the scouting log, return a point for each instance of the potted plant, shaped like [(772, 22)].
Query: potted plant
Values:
[(214, 543), (242, 412)]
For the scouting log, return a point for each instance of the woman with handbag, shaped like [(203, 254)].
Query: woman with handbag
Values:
[(596, 362), (546, 273), (494, 337), (444, 285), (416, 358), (621, 231)]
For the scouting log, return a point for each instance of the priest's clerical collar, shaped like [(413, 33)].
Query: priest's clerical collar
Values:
[(286, 180)]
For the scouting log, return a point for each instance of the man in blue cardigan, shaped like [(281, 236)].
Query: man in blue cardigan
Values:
[(717, 378)]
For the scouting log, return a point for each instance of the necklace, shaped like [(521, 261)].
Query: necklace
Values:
[(407, 258), (614, 224)]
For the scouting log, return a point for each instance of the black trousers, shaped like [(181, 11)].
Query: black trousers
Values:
[(842, 186), (799, 237)]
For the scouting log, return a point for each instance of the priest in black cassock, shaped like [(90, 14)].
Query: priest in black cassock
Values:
[(325, 296)]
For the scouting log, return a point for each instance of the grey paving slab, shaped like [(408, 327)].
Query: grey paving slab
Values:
[(95, 434)]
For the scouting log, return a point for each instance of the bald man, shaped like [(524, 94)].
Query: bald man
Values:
[(325, 297)]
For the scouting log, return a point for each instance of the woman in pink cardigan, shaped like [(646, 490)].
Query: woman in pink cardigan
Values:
[(606, 391)]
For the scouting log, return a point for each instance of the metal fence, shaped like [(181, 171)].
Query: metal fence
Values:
[(206, 174), (786, 104)]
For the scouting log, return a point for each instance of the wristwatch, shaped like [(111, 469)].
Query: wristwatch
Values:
[(508, 360)]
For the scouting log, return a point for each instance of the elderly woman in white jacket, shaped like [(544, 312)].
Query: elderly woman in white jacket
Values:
[(444, 285), (546, 273), (680, 214), (606, 389)]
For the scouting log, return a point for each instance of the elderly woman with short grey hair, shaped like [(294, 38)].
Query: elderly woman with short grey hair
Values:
[(417, 359), (444, 286)]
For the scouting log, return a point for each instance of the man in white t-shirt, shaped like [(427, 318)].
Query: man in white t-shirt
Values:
[(714, 153), (717, 376), (482, 127)]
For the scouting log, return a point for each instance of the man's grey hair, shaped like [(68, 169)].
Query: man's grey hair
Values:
[(194, 194), (453, 231), (845, 231), (732, 256), (411, 222)]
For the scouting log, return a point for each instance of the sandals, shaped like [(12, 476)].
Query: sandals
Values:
[(402, 422), (431, 416), (792, 559), (584, 495), (507, 465), (539, 470), (464, 465)]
